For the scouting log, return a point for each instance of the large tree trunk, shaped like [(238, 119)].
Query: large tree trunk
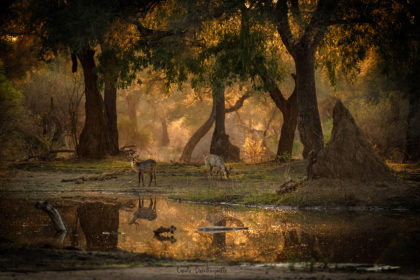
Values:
[(110, 99), (288, 128), (289, 109), (93, 139), (309, 123), (220, 144), (302, 48)]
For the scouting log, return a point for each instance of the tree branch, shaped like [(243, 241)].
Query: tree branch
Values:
[(319, 22), (283, 26), (238, 104), (151, 34)]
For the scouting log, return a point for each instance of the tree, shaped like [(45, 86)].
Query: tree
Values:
[(238, 53), (289, 109), (220, 144), (261, 58), (302, 47), (93, 142), (206, 126), (81, 27), (389, 29), (396, 36), (243, 53), (63, 28), (174, 51)]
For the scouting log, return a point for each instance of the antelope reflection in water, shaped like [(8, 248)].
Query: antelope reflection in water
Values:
[(149, 213)]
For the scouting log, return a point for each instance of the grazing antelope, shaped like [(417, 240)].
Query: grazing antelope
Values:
[(141, 167), (212, 161), (149, 213)]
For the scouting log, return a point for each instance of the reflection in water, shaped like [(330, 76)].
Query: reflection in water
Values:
[(95, 219), (162, 238), (221, 219), (272, 236), (149, 213), (219, 229)]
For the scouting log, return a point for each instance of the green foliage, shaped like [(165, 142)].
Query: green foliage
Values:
[(389, 27), (10, 115), (222, 49), (285, 157), (246, 53), (78, 24)]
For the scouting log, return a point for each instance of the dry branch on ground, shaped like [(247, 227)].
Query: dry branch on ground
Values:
[(100, 177)]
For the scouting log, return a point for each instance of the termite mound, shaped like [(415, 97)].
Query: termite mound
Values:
[(348, 154)]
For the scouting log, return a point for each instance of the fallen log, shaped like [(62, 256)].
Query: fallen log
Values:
[(53, 214), (219, 229), (288, 186), (100, 177)]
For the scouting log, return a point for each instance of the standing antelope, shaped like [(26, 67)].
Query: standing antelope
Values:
[(141, 167), (216, 161)]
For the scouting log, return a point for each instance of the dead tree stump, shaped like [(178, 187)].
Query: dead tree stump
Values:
[(347, 155)]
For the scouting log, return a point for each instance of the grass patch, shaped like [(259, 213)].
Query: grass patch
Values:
[(252, 184)]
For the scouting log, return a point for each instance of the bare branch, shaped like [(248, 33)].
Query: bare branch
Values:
[(239, 103)]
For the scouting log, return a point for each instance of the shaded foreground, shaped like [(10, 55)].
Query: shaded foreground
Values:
[(98, 212), (301, 244), (104, 225), (202, 271)]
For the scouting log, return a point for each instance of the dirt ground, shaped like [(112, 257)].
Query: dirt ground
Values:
[(47, 263), (200, 272), (254, 184)]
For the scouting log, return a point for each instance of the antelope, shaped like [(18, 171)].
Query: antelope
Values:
[(212, 161), (149, 213), (141, 167)]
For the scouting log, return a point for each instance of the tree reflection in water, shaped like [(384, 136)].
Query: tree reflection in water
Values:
[(99, 223), (273, 236), (220, 218)]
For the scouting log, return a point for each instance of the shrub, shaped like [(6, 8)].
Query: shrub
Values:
[(10, 116), (253, 150)]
